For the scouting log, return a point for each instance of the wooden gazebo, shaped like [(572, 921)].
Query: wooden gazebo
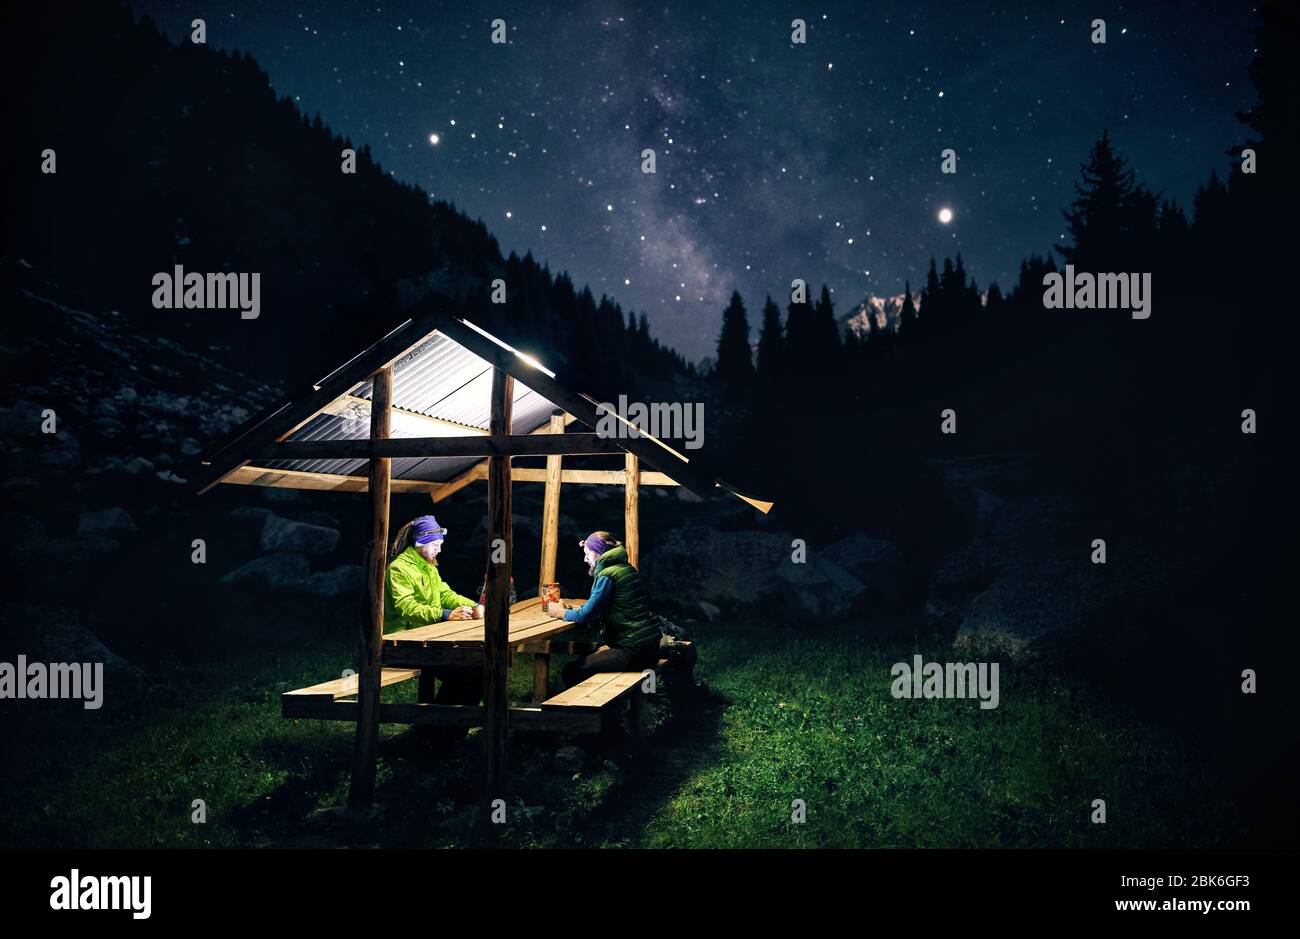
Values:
[(434, 406)]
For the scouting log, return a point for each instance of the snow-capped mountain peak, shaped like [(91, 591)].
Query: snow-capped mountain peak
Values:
[(876, 313)]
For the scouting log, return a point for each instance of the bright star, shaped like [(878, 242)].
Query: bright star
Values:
[(945, 215)]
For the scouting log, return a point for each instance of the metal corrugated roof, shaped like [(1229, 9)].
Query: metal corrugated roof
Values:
[(439, 378), (442, 368)]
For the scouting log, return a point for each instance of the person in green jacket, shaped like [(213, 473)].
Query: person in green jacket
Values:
[(618, 606), (415, 595)]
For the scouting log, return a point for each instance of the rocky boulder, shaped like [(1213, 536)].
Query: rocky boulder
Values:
[(114, 521), (251, 513), (55, 634), (274, 572), (729, 569), (51, 554), (875, 562), (1028, 578), (282, 534), (291, 572), (343, 581)]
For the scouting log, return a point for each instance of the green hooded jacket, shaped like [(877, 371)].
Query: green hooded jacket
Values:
[(628, 621), (415, 594)]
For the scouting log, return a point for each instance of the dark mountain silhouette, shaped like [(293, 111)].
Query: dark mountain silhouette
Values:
[(188, 157)]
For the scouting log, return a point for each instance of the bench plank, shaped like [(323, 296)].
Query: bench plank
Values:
[(345, 687), (531, 718), (595, 692)]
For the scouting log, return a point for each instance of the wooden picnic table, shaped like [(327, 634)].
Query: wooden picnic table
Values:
[(461, 642)]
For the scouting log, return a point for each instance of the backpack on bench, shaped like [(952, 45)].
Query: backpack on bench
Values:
[(675, 644)]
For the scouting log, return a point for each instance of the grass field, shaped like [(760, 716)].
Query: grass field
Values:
[(790, 717)]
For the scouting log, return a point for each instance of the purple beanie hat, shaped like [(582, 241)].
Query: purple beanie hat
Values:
[(426, 529), (597, 545)]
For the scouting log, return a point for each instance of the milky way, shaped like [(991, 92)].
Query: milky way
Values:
[(774, 160)]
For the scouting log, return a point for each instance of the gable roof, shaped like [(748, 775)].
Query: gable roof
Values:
[(442, 375)]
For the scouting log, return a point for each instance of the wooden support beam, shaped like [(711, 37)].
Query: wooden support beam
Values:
[(551, 507), (366, 754), (556, 646), (408, 655), (541, 677), (631, 509), (547, 429), (504, 445), (473, 474), (638, 714), (250, 475), (550, 543), (591, 477), (496, 650)]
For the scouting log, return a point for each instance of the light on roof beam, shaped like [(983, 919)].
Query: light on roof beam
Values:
[(526, 359), (635, 431)]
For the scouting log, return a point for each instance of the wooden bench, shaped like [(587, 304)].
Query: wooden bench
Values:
[(583, 708), (599, 694), (292, 702)]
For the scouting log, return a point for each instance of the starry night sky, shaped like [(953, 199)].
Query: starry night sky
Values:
[(775, 160)]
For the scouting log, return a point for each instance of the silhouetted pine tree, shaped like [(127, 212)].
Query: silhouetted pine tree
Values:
[(771, 348), (931, 314), (993, 308), (798, 338), (1112, 216), (825, 332), (733, 371), (907, 316)]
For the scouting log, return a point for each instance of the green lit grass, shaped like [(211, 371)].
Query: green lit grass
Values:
[(806, 718)]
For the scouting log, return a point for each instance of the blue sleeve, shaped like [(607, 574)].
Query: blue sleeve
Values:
[(602, 592), (445, 614)]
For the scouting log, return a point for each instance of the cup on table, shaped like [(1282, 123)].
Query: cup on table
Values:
[(550, 594), (479, 610)]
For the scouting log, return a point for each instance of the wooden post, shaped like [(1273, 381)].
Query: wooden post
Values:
[(638, 713), (496, 649), (366, 755), (631, 509), (551, 507), (541, 676), (550, 543)]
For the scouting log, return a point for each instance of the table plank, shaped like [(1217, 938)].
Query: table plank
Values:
[(526, 624), (422, 634), (537, 630)]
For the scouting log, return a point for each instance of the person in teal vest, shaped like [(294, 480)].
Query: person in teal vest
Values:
[(415, 595), (618, 607)]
